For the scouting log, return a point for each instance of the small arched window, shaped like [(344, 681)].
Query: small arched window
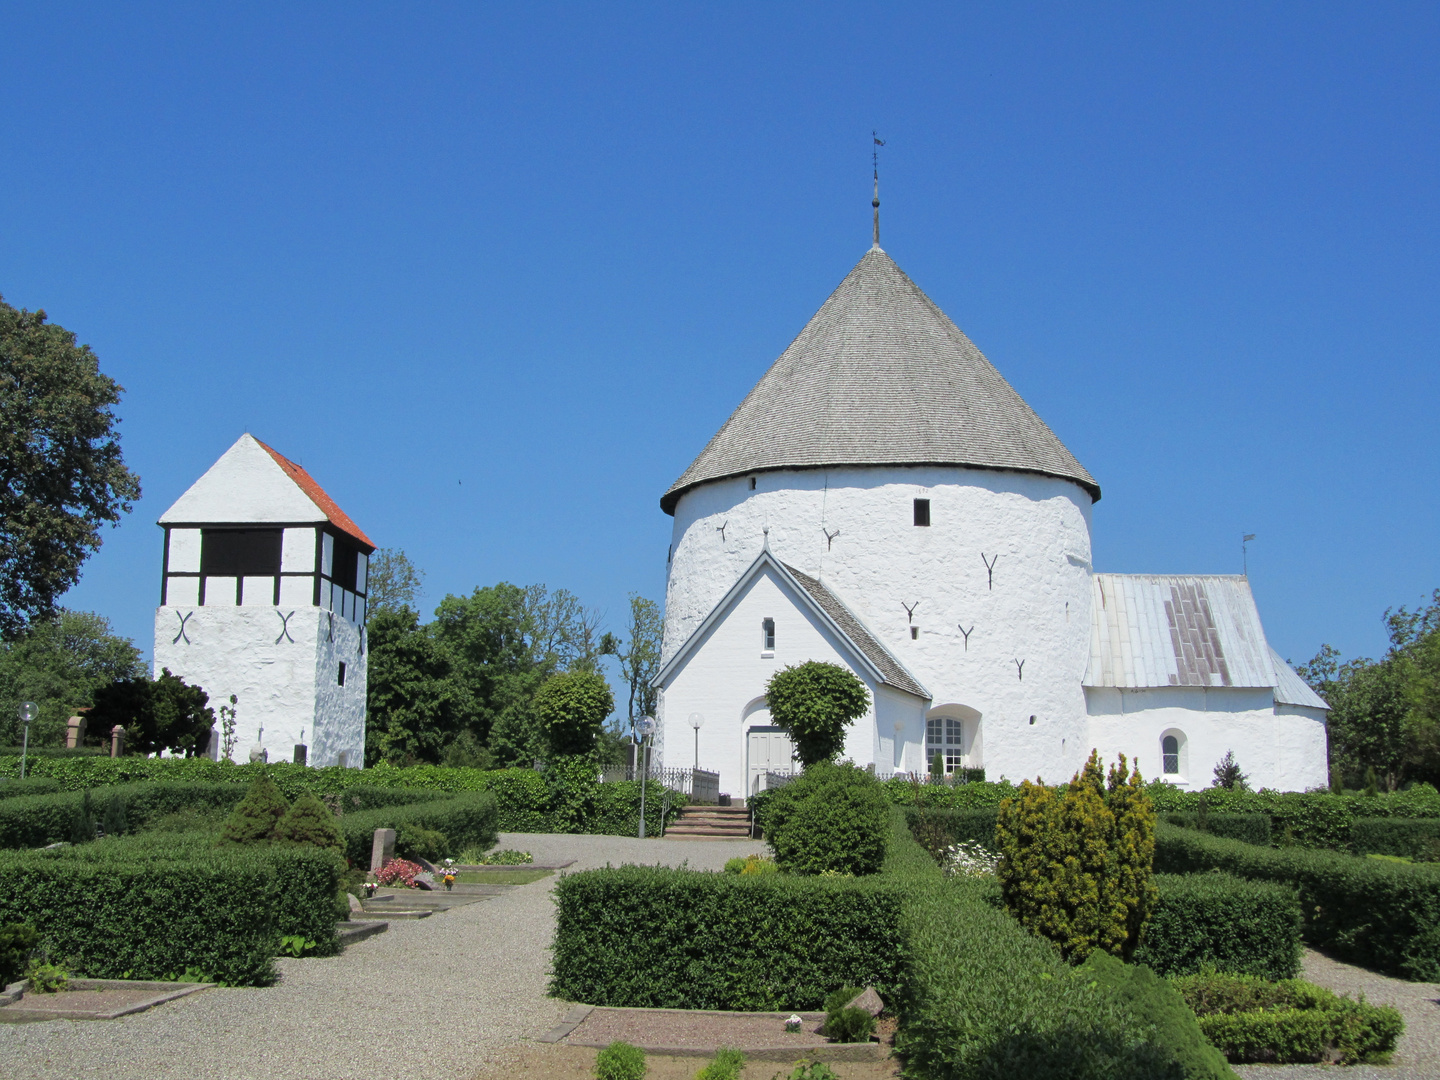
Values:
[(767, 635), (1170, 755)]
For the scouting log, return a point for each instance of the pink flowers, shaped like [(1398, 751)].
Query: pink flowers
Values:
[(399, 872)]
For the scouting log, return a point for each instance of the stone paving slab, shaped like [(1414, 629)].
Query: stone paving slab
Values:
[(699, 1033), (95, 999)]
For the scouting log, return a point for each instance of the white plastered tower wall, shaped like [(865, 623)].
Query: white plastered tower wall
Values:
[(1033, 607), (879, 405), (263, 596)]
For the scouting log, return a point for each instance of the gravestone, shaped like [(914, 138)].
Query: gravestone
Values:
[(383, 848), (302, 752), (355, 904), (74, 732), (117, 741), (869, 1001)]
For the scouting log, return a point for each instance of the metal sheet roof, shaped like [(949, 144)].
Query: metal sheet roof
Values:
[(1176, 630), (1291, 689), (880, 376)]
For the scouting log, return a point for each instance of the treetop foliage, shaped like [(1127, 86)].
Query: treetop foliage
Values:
[(58, 663), (815, 702), (61, 471), (571, 707), (164, 714), (393, 581)]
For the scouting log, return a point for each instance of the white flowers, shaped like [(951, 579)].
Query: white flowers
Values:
[(793, 1024), (968, 859)]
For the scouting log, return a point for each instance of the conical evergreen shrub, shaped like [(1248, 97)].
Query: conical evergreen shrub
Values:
[(82, 825), (255, 817), (309, 821)]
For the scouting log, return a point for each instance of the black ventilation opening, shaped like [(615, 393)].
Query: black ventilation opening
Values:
[(240, 552), (752, 483), (914, 633), (922, 511), (341, 678)]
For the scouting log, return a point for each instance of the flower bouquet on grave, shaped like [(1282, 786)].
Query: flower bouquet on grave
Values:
[(447, 874), (399, 872)]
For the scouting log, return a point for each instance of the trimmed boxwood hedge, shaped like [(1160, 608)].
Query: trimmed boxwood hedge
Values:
[(940, 827), (1412, 838), (1379, 914), (143, 908), (527, 801), (1226, 922), (464, 819), (1252, 828), (984, 998), (653, 937)]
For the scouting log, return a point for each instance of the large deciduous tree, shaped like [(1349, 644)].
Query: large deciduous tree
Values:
[(61, 472), (59, 663), (393, 581), (815, 702)]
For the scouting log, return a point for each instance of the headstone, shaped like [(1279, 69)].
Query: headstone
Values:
[(869, 1000), (425, 880), (426, 865), (258, 753), (383, 848), (343, 759), (117, 741), (302, 752), (214, 751), (355, 904), (74, 732)]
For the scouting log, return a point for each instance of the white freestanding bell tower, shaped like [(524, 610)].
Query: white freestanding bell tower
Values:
[(263, 596)]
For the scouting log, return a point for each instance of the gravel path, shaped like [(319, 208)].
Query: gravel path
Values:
[(435, 997), (1418, 1055)]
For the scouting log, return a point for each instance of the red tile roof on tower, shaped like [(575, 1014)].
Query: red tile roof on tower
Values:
[(306, 483)]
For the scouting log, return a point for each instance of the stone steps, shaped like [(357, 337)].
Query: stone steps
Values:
[(711, 822)]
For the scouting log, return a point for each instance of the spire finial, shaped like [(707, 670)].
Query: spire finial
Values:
[(875, 166)]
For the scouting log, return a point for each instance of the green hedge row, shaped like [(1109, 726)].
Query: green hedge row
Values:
[(154, 908), (1380, 914), (653, 937), (984, 998), (31, 785), (1413, 838), (1226, 922), (1308, 819), (561, 801), (32, 821), (1251, 828), (464, 819)]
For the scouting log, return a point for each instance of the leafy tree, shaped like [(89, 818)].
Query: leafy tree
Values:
[(815, 702), (393, 581), (1379, 716), (256, 817), (1228, 774), (61, 471), (572, 707), (59, 663), (308, 821), (410, 701), (17, 940), (1075, 862), (164, 714), (640, 658)]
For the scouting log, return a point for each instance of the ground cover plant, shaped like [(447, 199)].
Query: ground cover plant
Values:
[(1290, 1021), (620, 1061), (727, 1064), (1377, 913)]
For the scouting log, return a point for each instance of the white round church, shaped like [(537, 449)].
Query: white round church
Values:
[(883, 499)]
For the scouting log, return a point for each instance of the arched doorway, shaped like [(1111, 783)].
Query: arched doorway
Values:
[(953, 731), (768, 748)]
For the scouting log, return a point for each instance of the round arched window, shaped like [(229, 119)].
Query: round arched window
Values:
[(1170, 755)]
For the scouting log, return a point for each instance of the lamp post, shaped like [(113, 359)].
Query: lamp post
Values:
[(28, 712), (695, 721), (646, 727)]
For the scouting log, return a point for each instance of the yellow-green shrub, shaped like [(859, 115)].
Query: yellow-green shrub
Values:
[(1075, 863)]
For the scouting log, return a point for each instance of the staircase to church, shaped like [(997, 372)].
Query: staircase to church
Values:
[(711, 823)]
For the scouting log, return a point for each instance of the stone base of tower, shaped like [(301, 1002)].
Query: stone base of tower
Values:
[(294, 673)]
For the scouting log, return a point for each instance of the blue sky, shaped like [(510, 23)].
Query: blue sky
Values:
[(495, 273)]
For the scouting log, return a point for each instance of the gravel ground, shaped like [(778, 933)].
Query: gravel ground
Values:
[(437, 997), (1418, 1055)]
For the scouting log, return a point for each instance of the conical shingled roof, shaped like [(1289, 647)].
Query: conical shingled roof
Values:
[(880, 376)]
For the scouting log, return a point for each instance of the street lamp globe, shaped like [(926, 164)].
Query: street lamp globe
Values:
[(646, 726), (696, 720)]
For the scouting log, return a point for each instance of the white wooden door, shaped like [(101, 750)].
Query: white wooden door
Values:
[(767, 749)]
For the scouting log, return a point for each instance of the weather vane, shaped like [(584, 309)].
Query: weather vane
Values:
[(875, 168)]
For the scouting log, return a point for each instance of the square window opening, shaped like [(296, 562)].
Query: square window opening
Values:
[(922, 511)]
